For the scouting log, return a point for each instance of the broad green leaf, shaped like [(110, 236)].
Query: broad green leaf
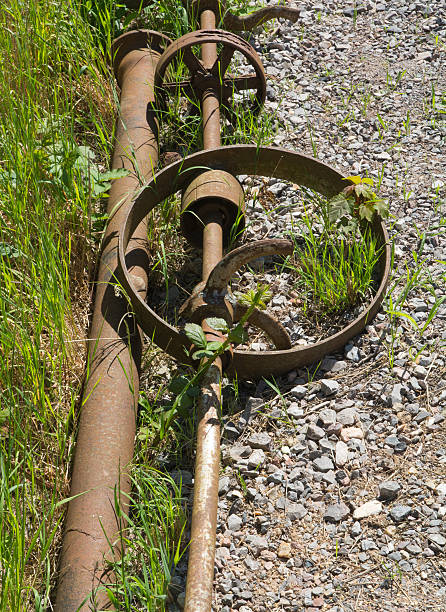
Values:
[(368, 181), (4, 415), (144, 433), (364, 190), (8, 250), (85, 151), (202, 353), (381, 207), (185, 401), (113, 174), (195, 334), (177, 384), (365, 211), (338, 207), (213, 346), (217, 324), (100, 188), (238, 335)]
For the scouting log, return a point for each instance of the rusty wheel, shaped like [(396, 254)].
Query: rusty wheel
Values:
[(246, 159), (216, 77)]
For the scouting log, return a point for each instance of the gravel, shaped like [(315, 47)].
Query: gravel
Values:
[(389, 490), (336, 513), (368, 509), (299, 525)]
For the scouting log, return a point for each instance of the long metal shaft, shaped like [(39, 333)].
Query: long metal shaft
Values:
[(200, 574), (210, 100), (105, 439)]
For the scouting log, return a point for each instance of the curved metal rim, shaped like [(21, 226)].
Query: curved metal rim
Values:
[(200, 37), (264, 161)]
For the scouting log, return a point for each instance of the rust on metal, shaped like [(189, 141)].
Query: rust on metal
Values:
[(251, 160), (225, 269), (210, 99), (267, 323), (220, 191), (205, 78), (204, 515), (213, 199), (105, 440), (246, 22), (196, 308)]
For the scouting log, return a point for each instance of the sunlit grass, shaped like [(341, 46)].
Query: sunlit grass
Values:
[(57, 108), (55, 100)]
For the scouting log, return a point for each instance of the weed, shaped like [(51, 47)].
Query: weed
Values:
[(332, 272), (313, 142), (243, 484), (392, 574), (56, 127), (152, 540), (406, 124)]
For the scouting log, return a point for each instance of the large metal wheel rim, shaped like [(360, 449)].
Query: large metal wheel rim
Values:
[(229, 39), (264, 161)]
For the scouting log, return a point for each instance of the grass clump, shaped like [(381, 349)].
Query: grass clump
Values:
[(334, 273), (56, 125), (152, 540), (336, 253)]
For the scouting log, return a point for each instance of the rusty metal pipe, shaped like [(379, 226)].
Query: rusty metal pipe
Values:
[(200, 574), (105, 439), (212, 243), (210, 100)]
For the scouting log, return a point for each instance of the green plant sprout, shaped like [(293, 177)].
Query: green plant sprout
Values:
[(206, 352), (357, 201)]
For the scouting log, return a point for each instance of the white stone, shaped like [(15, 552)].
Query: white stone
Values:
[(370, 508), (329, 387), (441, 488), (342, 454), (351, 432)]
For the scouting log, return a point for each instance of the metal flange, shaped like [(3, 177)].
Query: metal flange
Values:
[(264, 161), (242, 22), (219, 190)]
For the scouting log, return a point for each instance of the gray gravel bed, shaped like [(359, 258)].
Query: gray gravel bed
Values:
[(333, 491)]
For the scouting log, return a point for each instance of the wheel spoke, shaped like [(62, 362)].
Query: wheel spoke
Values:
[(241, 83), (192, 61), (183, 86), (222, 62)]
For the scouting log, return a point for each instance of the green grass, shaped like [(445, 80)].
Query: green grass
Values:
[(335, 270), (57, 109), (153, 542), (57, 113)]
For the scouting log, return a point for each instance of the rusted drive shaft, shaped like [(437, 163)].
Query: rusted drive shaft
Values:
[(200, 574), (210, 101), (105, 440)]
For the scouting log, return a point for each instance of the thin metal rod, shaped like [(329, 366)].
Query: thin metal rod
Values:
[(212, 244), (210, 100), (105, 440), (200, 573)]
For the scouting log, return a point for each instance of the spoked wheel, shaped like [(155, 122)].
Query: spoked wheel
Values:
[(265, 161)]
